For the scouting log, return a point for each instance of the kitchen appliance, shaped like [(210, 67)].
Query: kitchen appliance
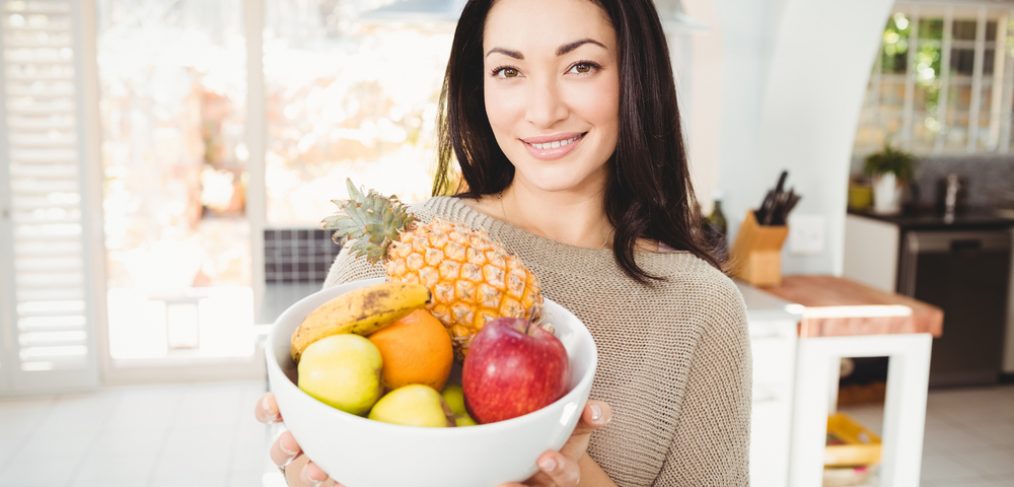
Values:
[(965, 273)]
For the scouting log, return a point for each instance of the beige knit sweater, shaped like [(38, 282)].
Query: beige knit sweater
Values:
[(674, 359)]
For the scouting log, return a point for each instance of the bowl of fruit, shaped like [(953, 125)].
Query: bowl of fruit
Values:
[(518, 392), (453, 370)]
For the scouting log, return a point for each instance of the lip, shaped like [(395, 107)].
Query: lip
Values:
[(549, 154)]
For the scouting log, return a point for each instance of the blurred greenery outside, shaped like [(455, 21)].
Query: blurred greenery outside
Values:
[(884, 107)]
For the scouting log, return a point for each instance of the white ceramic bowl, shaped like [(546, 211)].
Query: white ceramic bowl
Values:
[(362, 453)]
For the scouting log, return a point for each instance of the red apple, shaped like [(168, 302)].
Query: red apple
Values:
[(513, 367)]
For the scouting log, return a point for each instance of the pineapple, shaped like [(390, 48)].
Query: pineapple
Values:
[(471, 277)]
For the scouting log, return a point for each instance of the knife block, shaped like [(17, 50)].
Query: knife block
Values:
[(756, 255)]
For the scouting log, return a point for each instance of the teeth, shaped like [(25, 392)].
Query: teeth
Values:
[(556, 144)]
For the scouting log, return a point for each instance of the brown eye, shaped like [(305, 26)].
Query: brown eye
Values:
[(505, 72), (583, 68)]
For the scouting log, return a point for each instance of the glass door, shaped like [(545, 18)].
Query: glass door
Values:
[(173, 81)]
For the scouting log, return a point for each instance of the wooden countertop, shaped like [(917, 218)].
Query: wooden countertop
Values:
[(835, 306)]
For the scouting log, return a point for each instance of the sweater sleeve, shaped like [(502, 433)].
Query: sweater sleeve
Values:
[(711, 446), (347, 267)]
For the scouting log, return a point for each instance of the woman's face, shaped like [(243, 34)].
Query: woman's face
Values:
[(552, 91)]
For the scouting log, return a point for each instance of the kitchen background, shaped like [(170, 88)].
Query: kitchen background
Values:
[(165, 164)]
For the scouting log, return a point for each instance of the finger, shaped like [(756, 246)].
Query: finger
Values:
[(294, 470), (562, 471), (284, 449), (313, 474), (596, 414), (267, 409)]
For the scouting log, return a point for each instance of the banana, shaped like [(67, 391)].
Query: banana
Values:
[(361, 311)]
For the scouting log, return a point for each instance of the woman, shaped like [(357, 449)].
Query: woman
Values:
[(562, 116)]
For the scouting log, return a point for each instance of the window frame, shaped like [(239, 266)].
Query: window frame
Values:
[(1000, 111)]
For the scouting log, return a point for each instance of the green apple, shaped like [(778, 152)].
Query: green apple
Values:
[(411, 405), (342, 371), (454, 397), (464, 420)]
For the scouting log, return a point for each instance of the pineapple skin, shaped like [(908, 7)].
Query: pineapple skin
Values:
[(472, 278)]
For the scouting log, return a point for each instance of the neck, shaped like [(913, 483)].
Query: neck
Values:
[(577, 219)]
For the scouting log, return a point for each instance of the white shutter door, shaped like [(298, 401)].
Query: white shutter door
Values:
[(49, 314)]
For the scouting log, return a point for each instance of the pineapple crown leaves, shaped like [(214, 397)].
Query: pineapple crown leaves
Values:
[(373, 221)]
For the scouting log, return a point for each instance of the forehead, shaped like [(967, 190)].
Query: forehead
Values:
[(545, 24)]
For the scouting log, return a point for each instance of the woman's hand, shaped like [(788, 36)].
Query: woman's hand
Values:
[(286, 453), (563, 468)]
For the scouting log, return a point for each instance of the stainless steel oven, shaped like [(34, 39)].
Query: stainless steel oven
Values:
[(966, 273)]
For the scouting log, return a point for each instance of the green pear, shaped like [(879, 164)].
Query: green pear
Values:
[(454, 397), (342, 371), (411, 405)]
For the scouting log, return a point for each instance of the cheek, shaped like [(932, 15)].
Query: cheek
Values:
[(602, 104), (501, 108)]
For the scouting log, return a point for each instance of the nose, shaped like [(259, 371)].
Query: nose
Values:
[(545, 106)]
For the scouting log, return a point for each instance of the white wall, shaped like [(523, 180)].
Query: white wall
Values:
[(792, 79)]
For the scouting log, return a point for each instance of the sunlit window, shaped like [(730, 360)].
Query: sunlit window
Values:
[(348, 96), (173, 87), (941, 83)]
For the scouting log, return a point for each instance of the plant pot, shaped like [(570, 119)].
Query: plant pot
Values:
[(886, 194)]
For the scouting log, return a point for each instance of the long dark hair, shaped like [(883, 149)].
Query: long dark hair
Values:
[(648, 194)]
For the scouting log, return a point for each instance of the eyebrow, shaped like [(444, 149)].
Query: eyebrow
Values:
[(560, 51)]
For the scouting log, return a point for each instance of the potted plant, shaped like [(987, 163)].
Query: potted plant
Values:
[(889, 168)]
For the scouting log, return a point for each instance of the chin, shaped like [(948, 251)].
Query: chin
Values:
[(557, 179)]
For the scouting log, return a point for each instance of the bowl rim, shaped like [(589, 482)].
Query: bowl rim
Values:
[(507, 424)]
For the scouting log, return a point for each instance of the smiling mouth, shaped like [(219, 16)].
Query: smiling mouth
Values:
[(556, 144)]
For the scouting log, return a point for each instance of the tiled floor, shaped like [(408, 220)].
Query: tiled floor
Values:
[(165, 435), (205, 435), (969, 436)]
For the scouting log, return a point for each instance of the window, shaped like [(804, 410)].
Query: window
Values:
[(942, 81), (348, 95)]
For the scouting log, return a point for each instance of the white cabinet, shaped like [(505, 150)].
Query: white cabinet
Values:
[(773, 346), (871, 252)]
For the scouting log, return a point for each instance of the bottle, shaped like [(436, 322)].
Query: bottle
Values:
[(717, 218), (718, 228)]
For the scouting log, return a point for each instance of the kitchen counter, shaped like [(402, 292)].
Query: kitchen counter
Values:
[(833, 306), (970, 219), (842, 318), (279, 296), (763, 306)]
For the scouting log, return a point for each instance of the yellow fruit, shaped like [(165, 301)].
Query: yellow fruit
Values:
[(416, 350), (454, 398), (412, 405), (361, 311), (472, 278), (342, 371)]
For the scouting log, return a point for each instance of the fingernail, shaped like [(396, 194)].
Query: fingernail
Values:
[(266, 406), (285, 449), (547, 464), (596, 413)]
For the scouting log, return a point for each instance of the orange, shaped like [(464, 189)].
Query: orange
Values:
[(416, 350)]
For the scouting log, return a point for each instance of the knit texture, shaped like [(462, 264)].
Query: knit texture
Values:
[(674, 357)]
